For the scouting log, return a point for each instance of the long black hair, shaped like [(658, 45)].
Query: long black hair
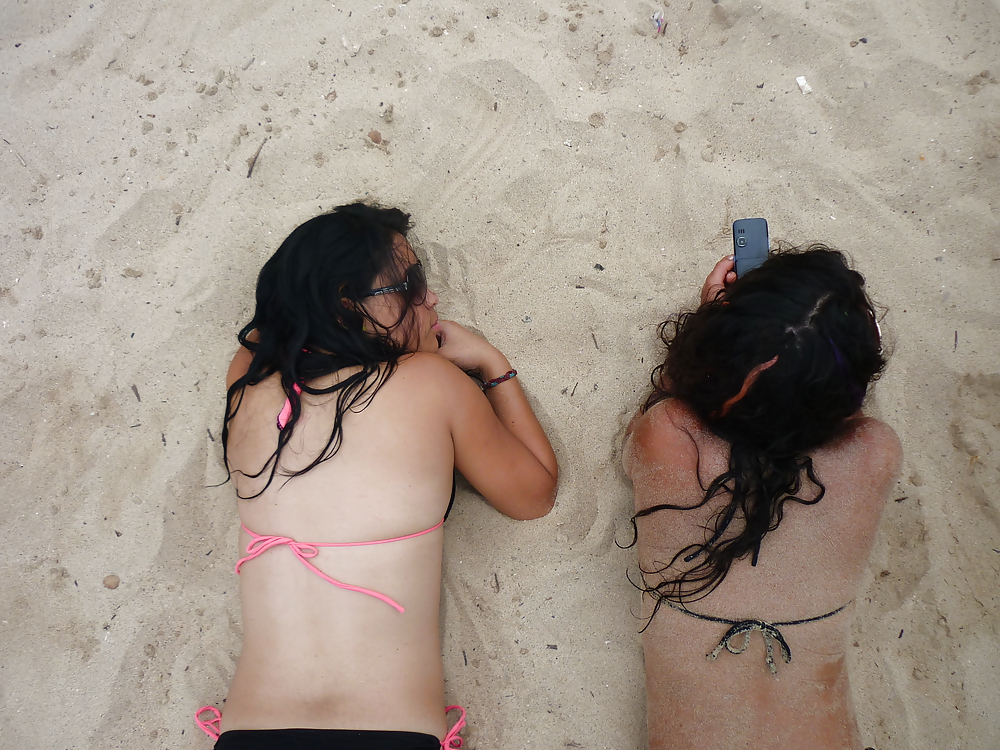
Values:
[(309, 321), (809, 310)]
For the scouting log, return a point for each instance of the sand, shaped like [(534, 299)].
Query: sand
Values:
[(573, 177)]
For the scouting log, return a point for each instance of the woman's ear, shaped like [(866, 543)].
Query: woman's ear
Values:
[(345, 301), (355, 306)]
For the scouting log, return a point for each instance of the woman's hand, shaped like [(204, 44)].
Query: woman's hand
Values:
[(720, 277), (470, 352), (499, 445)]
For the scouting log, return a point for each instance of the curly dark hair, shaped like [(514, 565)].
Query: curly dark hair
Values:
[(806, 308), (309, 320)]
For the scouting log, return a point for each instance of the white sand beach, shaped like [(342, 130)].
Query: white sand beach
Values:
[(573, 177)]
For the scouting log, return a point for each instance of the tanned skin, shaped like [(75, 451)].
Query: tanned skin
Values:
[(813, 563)]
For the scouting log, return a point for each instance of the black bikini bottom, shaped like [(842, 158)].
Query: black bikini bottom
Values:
[(325, 739)]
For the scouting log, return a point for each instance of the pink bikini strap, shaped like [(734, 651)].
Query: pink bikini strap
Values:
[(259, 544), (286, 410), (212, 727), (451, 740)]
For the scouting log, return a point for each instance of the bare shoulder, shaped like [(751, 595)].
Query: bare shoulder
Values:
[(882, 451), (659, 436), (434, 382), (432, 373), (864, 463), (238, 366), (241, 362), (657, 423)]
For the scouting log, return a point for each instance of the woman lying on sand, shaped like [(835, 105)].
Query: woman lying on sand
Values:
[(348, 412), (759, 484)]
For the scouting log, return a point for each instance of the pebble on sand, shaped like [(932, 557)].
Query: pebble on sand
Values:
[(111, 581), (375, 136)]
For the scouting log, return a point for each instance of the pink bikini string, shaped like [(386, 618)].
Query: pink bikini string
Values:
[(304, 550), (451, 740), (212, 727)]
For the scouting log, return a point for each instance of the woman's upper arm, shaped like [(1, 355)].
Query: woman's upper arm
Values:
[(241, 362), (239, 366), (494, 461)]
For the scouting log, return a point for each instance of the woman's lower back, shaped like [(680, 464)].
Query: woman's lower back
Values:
[(317, 656), (734, 702), (266, 696)]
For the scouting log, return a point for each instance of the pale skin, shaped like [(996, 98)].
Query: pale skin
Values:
[(813, 563), (315, 656)]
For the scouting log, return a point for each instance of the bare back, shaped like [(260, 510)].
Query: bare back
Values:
[(315, 655), (810, 565)]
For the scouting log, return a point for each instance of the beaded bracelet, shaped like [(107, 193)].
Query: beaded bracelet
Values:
[(497, 381)]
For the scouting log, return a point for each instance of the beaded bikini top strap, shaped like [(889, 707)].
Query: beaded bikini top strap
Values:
[(768, 630)]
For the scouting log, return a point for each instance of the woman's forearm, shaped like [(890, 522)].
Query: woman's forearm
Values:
[(512, 409)]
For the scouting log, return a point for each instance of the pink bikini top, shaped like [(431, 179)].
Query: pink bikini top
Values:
[(286, 411), (259, 543)]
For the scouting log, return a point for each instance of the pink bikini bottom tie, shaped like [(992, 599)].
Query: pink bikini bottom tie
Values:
[(451, 740), (213, 726)]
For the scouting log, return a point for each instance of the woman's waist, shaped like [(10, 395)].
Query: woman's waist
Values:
[(316, 626), (376, 711), (730, 703), (380, 688)]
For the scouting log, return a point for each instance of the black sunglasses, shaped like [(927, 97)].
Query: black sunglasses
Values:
[(414, 287)]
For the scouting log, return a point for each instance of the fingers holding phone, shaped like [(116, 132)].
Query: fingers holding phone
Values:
[(721, 276)]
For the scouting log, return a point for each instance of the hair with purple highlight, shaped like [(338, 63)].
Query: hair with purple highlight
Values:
[(808, 309)]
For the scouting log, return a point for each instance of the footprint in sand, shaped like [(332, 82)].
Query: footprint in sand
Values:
[(975, 433)]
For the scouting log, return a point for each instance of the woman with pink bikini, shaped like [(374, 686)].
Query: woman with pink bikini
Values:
[(349, 408)]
